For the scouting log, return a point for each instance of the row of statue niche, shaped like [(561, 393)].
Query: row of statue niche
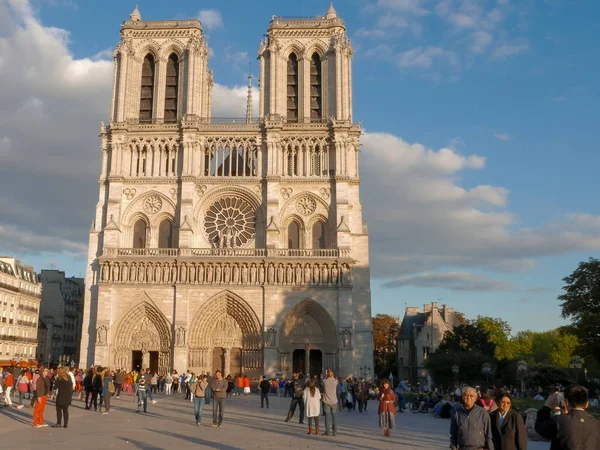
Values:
[(234, 273)]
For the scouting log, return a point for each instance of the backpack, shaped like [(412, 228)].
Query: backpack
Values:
[(111, 387)]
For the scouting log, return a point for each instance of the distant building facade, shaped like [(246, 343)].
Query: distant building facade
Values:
[(20, 294), (61, 316), (421, 332)]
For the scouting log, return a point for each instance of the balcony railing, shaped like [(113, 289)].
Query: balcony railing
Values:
[(229, 252), (28, 308), (22, 291), (6, 337), (26, 323)]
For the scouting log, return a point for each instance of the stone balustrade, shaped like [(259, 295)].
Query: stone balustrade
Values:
[(229, 252)]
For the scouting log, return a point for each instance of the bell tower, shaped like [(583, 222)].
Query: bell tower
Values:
[(306, 69)]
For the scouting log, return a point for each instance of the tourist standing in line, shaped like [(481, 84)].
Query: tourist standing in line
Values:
[(142, 398), (341, 393), (312, 405), (470, 426), (199, 392), (330, 402), (43, 389), (9, 380), (264, 387), (219, 387), (209, 388), (63, 397), (239, 384), (98, 383), (508, 427), (108, 389), (297, 394), (387, 408)]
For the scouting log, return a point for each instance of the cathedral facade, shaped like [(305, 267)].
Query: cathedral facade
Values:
[(230, 244)]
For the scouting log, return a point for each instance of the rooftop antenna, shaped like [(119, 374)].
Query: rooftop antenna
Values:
[(249, 105)]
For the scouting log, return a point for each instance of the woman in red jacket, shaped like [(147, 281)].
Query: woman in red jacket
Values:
[(387, 407)]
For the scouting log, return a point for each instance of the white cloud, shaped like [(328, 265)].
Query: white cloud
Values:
[(405, 6), (508, 50), (421, 220), (460, 20), (210, 19), (480, 41), (456, 281), (424, 57), (4, 147), (502, 136), (23, 240)]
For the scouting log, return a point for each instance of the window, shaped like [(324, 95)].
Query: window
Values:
[(293, 235), (165, 234), (147, 91), (139, 234), (292, 88), (171, 89), (318, 235), (316, 99)]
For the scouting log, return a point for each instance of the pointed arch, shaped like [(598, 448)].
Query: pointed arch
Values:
[(292, 87), (316, 88), (171, 88), (146, 113), (308, 323), (224, 304)]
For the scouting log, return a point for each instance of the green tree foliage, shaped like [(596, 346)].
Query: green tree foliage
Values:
[(498, 332), (581, 304), (385, 344), (469, 337)]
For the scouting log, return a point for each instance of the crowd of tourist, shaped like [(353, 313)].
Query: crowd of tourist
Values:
[(479, 418)]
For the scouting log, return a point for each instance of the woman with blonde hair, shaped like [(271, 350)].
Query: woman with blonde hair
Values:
[(312, 405), (63, 399)]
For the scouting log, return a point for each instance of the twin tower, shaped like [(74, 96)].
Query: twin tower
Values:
[(230, 244)]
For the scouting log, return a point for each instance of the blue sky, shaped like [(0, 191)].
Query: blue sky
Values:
[(495, 103)]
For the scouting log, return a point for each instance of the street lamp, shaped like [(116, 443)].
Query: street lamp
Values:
[(576, 364), (521, 372), (486, 369), (455, 370), (364, 371)]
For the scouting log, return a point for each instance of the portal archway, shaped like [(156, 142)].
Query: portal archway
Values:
[(143, 339), (308, 340), (225, 334)]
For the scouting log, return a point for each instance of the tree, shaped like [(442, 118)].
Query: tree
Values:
[(499, 334), (385, 344), (581, 304), (469, 337)]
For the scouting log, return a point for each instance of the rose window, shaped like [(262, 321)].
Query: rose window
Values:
[(230, 222), (152, 204)]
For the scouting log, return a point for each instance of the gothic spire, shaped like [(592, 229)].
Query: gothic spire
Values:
[(249, 104), (135, 15), (331, 14)]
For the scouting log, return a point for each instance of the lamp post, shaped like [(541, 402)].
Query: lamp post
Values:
[(576, 364), (486, 369), (364, 371), (455, 370), (521, 373)]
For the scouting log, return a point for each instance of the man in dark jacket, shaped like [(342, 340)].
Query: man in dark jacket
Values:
[(470, 426), (264, 387), (119, 378), (574, 428), (297, 392)]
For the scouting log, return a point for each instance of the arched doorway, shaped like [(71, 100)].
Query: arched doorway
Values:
[(143, 340), (225, 335), (308, 340)]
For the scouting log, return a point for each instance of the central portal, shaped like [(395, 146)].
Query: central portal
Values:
[(299, 363), (316, 362)]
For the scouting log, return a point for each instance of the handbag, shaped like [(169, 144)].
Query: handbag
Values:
[(22, 387)]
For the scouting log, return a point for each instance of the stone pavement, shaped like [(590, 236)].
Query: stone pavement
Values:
[(169, 424)]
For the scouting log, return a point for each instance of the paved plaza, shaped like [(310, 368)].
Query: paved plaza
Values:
[(170, 424)]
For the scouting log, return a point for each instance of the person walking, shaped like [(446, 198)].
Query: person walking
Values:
[(330, 402), (219, 388), (312, 405), (9, 380), (470, 426), (168, 384), (63, 398), (209, 388), (88, 387), (108, 389), (119, 379), (22, 387), (142, 398), (387, 408), (43, 389), (199, 392), (264, 387), (401, 391), (34, 379), (230, 388), (508, 427), (297, 398)]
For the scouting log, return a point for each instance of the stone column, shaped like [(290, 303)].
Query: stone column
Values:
[(307, 360), (227, 360), (145, 360)]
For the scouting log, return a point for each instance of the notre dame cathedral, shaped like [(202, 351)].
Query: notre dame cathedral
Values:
[(230, 244)]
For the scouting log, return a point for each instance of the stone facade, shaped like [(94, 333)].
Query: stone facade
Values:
[(20, 294), (61, 317), (421, 332), (235, 244)]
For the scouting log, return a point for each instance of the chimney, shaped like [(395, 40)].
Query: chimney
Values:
[(427, 307), (412, 311)]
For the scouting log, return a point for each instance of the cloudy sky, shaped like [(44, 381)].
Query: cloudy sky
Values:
[(479, 162)]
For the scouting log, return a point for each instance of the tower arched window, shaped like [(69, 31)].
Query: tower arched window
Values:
[(318, 235), (139, 234), (316, 81), (171, 88), (293, 235), (292, 88), (165, 234), (147, 91)]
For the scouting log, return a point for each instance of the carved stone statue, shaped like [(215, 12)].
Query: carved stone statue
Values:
[(270, 274), (209, 274), (325, 274), (201, 273), (346, 337), (236, 274), (289, 275), (226, 274), (280, 274), (345, 275), (180, 337), (218, 274), (316, 274), (298, 274), (253, 274), (245, 274), (261, 273), (334, 274), (271, 337), (101, 333), (307, 274)]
